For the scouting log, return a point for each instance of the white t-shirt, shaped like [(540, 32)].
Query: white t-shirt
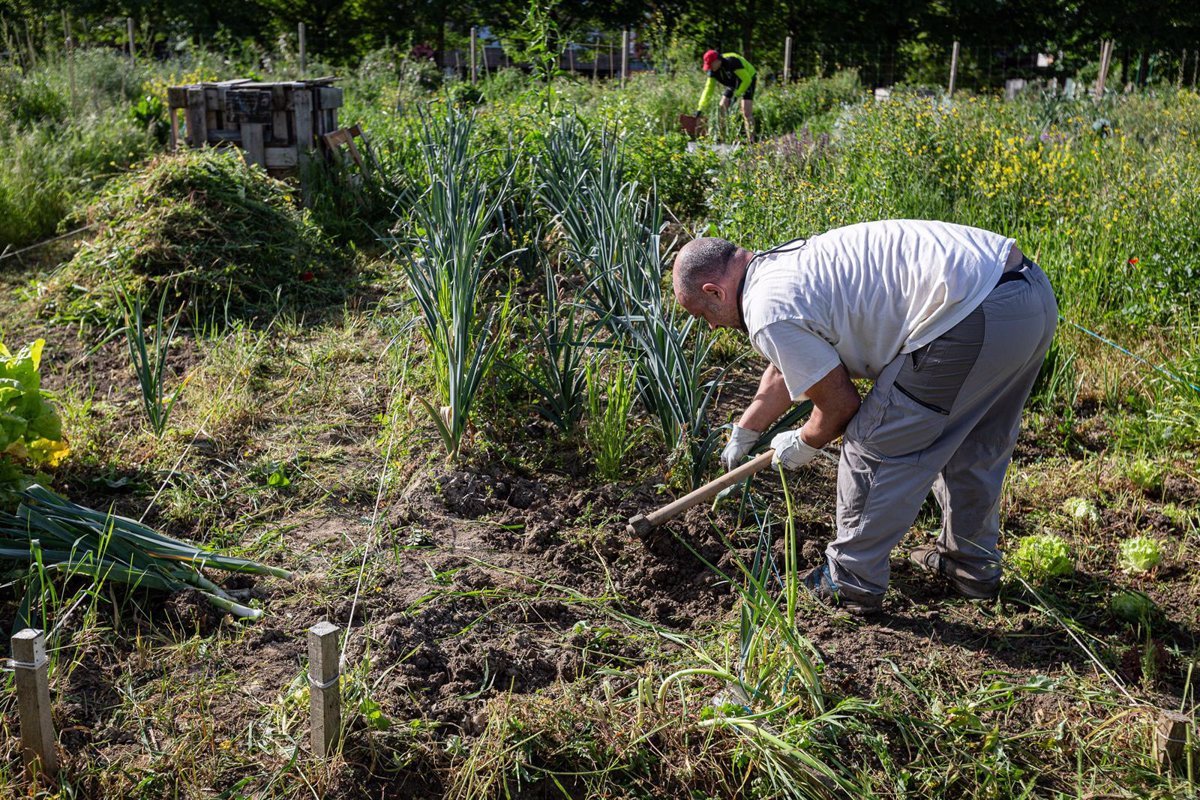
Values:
[(863, 294)]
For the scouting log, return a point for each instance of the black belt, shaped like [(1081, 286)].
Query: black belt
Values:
[(1015, 274)]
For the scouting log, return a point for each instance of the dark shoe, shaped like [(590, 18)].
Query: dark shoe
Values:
[(929, 559), (821, 586)]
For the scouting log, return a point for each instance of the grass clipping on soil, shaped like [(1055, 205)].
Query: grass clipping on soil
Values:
[(203, 227)]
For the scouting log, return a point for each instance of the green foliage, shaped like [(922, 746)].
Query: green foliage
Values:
[(682, 179), (150, 112), (612, 229), (205, 226), (1140, 554), (813, 103), (1043, 556), (536, 41)]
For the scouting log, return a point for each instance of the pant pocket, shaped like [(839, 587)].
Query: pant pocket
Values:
[(905, 426)]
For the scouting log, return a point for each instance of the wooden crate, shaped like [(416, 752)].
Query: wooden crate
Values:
[(277, 125)]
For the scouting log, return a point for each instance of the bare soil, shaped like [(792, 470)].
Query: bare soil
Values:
[(491, 577)]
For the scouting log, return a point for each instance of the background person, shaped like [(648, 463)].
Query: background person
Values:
[(950, 322), (738, 77)]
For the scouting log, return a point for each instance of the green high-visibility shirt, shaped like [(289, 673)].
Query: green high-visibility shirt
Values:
[(734, 73)]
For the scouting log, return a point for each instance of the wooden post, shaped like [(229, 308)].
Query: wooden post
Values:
[(787, 59), (612, 60), (571, 59), (303, 49), (196, 117), (1170, 738), (39, 750), (1182, 64), (473, 73), (953, 69), (129, 30), (596, 62), (624, 55), (302, 107), (326, 696), (70, 54), (253, 144), (1106, 48), (1195, 67)]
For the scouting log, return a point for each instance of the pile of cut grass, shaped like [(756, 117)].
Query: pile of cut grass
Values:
[(208, 231)]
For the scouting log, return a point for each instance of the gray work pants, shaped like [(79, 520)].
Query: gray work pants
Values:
[(945, 418)]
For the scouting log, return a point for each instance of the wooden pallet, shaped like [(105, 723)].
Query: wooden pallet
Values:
[(277, 125)]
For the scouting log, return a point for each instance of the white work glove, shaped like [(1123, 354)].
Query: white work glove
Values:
[(791, 452), (740, 441)]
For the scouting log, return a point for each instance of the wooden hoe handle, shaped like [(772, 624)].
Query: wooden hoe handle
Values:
[(641, 524)]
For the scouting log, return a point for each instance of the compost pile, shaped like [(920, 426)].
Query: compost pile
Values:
[(200, 225)]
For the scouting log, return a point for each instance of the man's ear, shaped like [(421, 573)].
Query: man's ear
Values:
[(715, 289)]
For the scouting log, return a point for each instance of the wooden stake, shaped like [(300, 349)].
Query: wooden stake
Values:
[(1106, 48), (70, 54), (129, 30), (612, 61), (596, 62), (1170, 738), (326, 695), (953, 69), (39, 750), (473, 73), (624, 55), (303, 49), (787, 59), (1182, 64)]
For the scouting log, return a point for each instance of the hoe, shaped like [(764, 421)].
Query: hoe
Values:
[(642, 524)]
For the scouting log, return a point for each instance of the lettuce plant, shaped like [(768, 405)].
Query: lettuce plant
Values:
[(1132, 606), (30, 429), (1043, 556), (1081, 510), (1140, 554)]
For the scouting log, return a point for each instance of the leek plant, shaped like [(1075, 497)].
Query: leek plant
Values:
[(56, 535), (150, 361), (559, 377), (612, 229), (448, 261)]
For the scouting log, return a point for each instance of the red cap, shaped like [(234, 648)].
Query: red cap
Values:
[(711, 59)]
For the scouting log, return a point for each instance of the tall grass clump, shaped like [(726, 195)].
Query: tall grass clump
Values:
[(448, 261), (609, 401), (202, 225), (612, 227), (57, 155)]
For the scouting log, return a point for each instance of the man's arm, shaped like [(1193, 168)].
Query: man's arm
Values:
[(770, 401), (708, 89), (835, 402)]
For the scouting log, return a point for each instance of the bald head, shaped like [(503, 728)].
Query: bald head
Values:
[(701, 261), (706, 276)]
